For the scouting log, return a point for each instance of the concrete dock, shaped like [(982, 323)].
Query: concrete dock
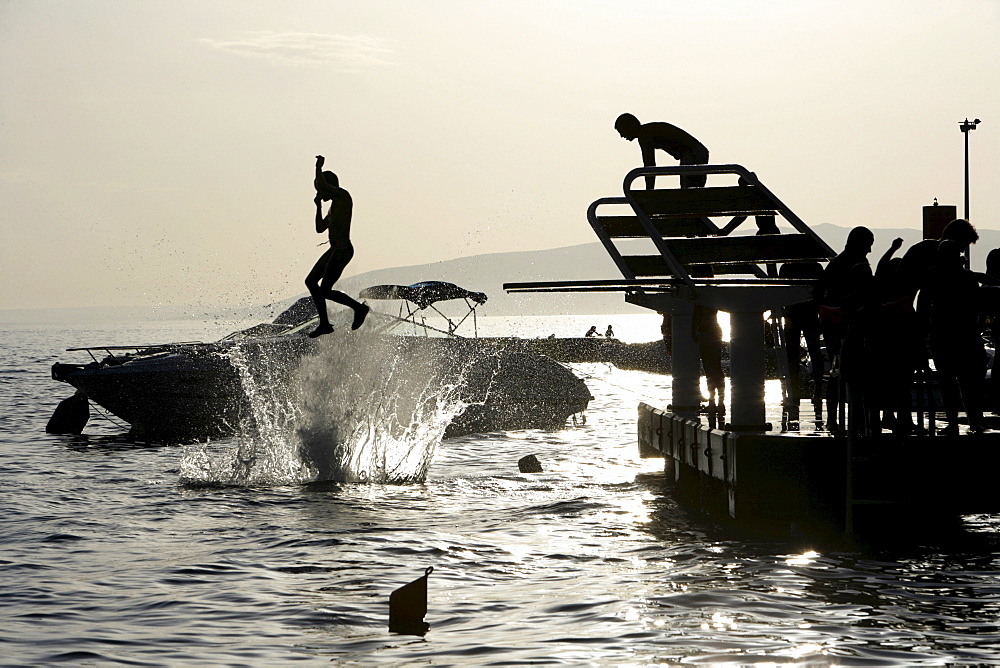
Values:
[(823, 481)]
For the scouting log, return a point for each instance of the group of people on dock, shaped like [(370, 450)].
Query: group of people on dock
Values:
[(881, 328)]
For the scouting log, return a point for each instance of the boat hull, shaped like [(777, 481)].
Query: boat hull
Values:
[(192, 392)]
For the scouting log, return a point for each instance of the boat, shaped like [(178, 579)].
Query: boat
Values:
[(187, 391)]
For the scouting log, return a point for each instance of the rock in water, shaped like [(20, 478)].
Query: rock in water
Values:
[(529, 464)]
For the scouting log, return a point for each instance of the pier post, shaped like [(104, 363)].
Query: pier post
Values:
[(685, 363), (685, 359), (746, 359)]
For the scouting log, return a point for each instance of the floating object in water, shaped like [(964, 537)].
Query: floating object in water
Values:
[(408, 605), (529, 464), (70, 416)]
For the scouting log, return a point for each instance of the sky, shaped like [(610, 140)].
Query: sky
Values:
[(162, 153)]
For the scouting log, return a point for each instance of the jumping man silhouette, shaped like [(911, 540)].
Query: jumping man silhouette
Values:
[(331, 264)]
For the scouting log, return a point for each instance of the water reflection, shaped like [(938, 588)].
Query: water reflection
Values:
[(592, 561), (803, 559)]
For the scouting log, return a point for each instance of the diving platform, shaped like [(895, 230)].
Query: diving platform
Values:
[(698, 253), (718, 247)]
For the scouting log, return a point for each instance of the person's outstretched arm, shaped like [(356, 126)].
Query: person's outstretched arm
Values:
[(320, 160), (883, 263), (986, 279)]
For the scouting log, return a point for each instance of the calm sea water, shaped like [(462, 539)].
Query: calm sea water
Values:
[(121, 553)]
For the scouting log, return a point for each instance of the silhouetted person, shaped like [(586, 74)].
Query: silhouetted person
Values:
[(609, 333), (667, 333), (921, 256), (802, 321), (862, 367), (991, 323), (991, 301), (885, 271), (956, 343), (874, 353), (840, 293), (912, 273), (993, 264), (765, 227), (592, 331), (331, 264), (893, 348), (669, 138), (707, 332)]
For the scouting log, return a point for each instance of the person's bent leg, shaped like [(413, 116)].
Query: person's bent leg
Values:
[(793, 355), (972, 384), (360, 309), (833, 348), (951, 394), (332, 274), (313, 282)]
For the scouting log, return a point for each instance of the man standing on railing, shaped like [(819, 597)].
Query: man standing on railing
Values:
[(669, 138)]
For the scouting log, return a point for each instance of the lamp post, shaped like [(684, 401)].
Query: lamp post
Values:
[(966, 126)]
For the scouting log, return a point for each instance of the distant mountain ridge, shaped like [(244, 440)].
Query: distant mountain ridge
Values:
[(487, 273)]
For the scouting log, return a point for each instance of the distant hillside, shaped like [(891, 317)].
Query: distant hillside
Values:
[(488, 273)]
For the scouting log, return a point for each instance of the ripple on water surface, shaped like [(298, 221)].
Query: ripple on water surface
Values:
[(111, 558)]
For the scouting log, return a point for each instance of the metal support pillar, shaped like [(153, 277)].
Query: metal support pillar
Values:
[(746, 359)]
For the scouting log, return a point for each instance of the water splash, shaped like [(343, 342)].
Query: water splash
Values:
[(349, 407)]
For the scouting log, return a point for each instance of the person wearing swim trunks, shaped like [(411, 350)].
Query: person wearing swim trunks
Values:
[(332, 263)]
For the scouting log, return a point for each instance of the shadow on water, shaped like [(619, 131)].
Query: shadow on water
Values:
[(901, 536), (110, 443), (671, 520)]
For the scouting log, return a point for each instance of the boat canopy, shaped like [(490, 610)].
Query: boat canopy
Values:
[(422, 294)]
